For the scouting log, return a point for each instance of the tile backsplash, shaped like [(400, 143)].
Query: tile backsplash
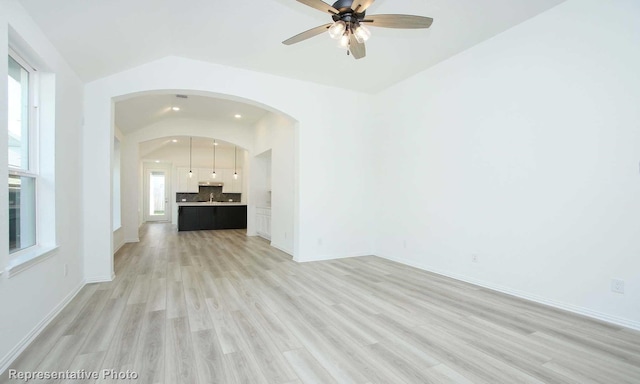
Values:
[(204, 195)]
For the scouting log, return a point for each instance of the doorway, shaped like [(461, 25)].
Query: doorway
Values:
[(157, 190)]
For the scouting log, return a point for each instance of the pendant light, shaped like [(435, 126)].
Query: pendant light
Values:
[(235, 162), (190, 150), (213, 174)]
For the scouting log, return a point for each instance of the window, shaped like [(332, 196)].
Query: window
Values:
[(23, 176)]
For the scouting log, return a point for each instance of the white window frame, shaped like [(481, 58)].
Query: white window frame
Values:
[(24, 258), (33, 115)]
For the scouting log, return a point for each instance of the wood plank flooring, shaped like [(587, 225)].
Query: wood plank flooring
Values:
[(220, 307)]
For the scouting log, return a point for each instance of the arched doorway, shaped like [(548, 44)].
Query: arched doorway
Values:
[(163, 129)]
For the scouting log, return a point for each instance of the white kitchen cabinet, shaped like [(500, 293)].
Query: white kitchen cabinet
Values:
[(231, 185), (236, 184), (187, 184), (263, 222), (204, 175)]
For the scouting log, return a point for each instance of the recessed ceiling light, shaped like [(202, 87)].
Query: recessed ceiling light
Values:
[(215, 143), (176, 108), (238, 116), (174, 141), (157, 161)]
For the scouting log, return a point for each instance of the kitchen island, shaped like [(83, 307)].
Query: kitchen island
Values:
[(208, 216)]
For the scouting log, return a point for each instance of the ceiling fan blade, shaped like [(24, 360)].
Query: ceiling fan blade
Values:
[(320, 5), (358, 50), (399, 21), (360, 6), (307, 34)]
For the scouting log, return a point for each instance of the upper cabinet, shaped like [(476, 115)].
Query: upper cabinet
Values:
[(187, 184), (231, 185), (205, 175)]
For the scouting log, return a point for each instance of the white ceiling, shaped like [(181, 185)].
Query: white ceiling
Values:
[(99, 37), (141, 111), (181, 143)]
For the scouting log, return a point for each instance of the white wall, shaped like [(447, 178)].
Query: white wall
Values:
[(29, 298), (277, 133), (118, 231), (524, 151), (261, 179)]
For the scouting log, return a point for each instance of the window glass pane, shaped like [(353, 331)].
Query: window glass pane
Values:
[(156, 194), (18, 92), (22, 212)]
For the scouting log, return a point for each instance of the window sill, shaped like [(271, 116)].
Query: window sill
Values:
[(28, 258)]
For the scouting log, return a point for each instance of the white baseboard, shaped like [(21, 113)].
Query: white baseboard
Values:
[(278, 247), (261, 235), (118, 247), (525, 295), (100, 279), (132, 240), (10, 357), (332, 257)]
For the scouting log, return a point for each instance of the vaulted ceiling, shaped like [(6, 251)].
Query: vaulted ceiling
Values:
[(99, 37)]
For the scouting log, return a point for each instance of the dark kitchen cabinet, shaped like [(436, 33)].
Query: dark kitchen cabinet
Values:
[(234, 217), (188, 219), (206, 217)]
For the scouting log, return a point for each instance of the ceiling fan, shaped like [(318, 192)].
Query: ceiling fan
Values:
[(349, 19)]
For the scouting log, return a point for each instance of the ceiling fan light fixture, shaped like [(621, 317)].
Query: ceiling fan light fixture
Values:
[(345, 26), (344, 40), (337, 29), (362, 33)]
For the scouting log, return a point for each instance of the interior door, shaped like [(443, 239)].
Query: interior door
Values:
[(157, 207)]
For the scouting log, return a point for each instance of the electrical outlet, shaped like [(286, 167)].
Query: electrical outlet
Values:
[(285, 235), (617, 286), (66, 269), (320, 241), (404, 244), (474, 258)]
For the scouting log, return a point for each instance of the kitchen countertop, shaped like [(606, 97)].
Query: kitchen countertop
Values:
[(207, 204)]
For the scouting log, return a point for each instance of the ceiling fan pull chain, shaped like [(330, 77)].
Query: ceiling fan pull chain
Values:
[(348, 33)]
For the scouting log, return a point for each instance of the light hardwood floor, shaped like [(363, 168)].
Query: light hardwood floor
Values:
[(219, 307)]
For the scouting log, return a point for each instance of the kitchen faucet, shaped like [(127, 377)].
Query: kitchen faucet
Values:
[(211, 197)]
